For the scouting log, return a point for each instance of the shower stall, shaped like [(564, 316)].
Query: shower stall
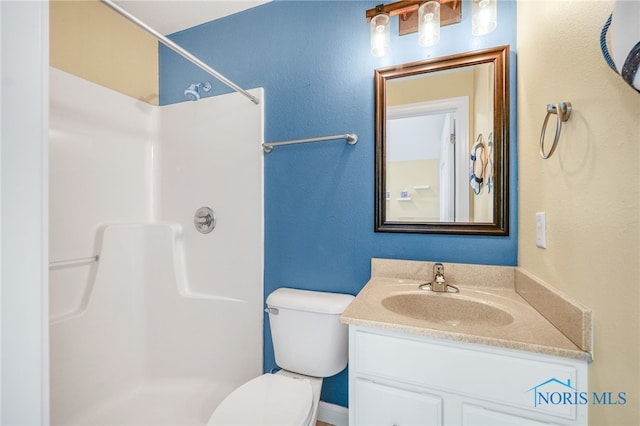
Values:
[(152, 322)]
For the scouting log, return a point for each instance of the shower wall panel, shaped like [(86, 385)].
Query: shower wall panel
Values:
[(167, 313), (139, 342), (100, 145), (210, 155)]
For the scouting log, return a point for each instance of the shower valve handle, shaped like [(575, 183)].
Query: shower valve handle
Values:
[(204, 220)]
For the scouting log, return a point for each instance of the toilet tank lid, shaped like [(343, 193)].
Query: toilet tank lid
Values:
[(310, 301)]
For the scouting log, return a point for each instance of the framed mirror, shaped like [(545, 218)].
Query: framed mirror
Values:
[(442, 138)]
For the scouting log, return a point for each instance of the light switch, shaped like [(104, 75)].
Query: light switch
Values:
[(541, 229)]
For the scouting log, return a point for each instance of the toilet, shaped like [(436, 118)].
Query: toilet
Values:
[(309, 343)]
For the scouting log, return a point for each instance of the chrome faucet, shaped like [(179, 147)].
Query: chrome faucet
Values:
[(438, 284)]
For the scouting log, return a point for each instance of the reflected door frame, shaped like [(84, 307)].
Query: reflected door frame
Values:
[(459, 106)]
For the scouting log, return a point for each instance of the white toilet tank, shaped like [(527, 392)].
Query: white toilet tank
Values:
[(307, 335)]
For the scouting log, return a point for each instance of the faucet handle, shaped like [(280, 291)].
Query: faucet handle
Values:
[(438, 269)]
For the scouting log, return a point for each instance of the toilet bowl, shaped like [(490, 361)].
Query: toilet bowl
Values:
[(309, 344), (281, 399)]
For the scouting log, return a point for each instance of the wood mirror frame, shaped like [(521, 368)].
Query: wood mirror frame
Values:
[(497, 56)]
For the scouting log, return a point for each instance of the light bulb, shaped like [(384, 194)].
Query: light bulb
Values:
[(484, 16), (380, 34), (429, 23)]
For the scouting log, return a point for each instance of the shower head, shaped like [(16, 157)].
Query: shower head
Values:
[(192, 93)]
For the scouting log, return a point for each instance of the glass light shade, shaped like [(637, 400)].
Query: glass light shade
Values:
[(484, 16), (429, 23), (380, 34)]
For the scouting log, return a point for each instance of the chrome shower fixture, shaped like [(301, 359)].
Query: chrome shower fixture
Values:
[(192, 92)]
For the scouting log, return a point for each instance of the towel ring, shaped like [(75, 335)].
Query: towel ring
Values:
[(476, 180), (563, 111)]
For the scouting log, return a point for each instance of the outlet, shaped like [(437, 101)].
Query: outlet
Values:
[(541, 230)]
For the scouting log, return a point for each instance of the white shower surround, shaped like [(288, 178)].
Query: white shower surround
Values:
[(169, 320)]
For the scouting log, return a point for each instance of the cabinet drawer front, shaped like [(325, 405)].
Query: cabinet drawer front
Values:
[(480, 372), (378, 404)]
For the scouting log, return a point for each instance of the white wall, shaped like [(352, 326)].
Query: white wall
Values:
[(23, 229)]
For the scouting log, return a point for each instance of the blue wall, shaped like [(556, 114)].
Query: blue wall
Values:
[(312, 58)]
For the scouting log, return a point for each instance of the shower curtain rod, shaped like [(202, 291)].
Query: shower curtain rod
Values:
[(179, 50), (351, 139)]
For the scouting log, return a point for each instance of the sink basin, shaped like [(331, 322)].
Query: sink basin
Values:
[(452, 310)]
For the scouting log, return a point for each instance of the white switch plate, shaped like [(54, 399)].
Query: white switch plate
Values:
[(541, 229)]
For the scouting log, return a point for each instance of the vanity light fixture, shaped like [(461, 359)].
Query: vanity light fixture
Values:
[(426, 18)]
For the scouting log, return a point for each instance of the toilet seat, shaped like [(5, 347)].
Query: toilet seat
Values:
[(266, 400)]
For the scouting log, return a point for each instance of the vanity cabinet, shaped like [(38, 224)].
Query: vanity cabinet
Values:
[(397, 378)]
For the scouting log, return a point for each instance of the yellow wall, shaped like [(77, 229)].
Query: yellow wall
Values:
[(483, 89), (589, 188), (91, 41), (425, 203), (439, 86)]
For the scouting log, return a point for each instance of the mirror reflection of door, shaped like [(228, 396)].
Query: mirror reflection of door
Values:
[(426, 157)]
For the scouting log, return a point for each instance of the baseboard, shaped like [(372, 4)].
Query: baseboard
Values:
[(333, 414)]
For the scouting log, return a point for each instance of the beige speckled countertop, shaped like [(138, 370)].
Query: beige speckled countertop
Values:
[(492, 286)]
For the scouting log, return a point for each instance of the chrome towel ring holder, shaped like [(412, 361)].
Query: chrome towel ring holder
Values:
[(479, 154), (563, 112)]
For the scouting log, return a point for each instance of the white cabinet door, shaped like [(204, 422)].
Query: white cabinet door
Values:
[(377, 404)]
